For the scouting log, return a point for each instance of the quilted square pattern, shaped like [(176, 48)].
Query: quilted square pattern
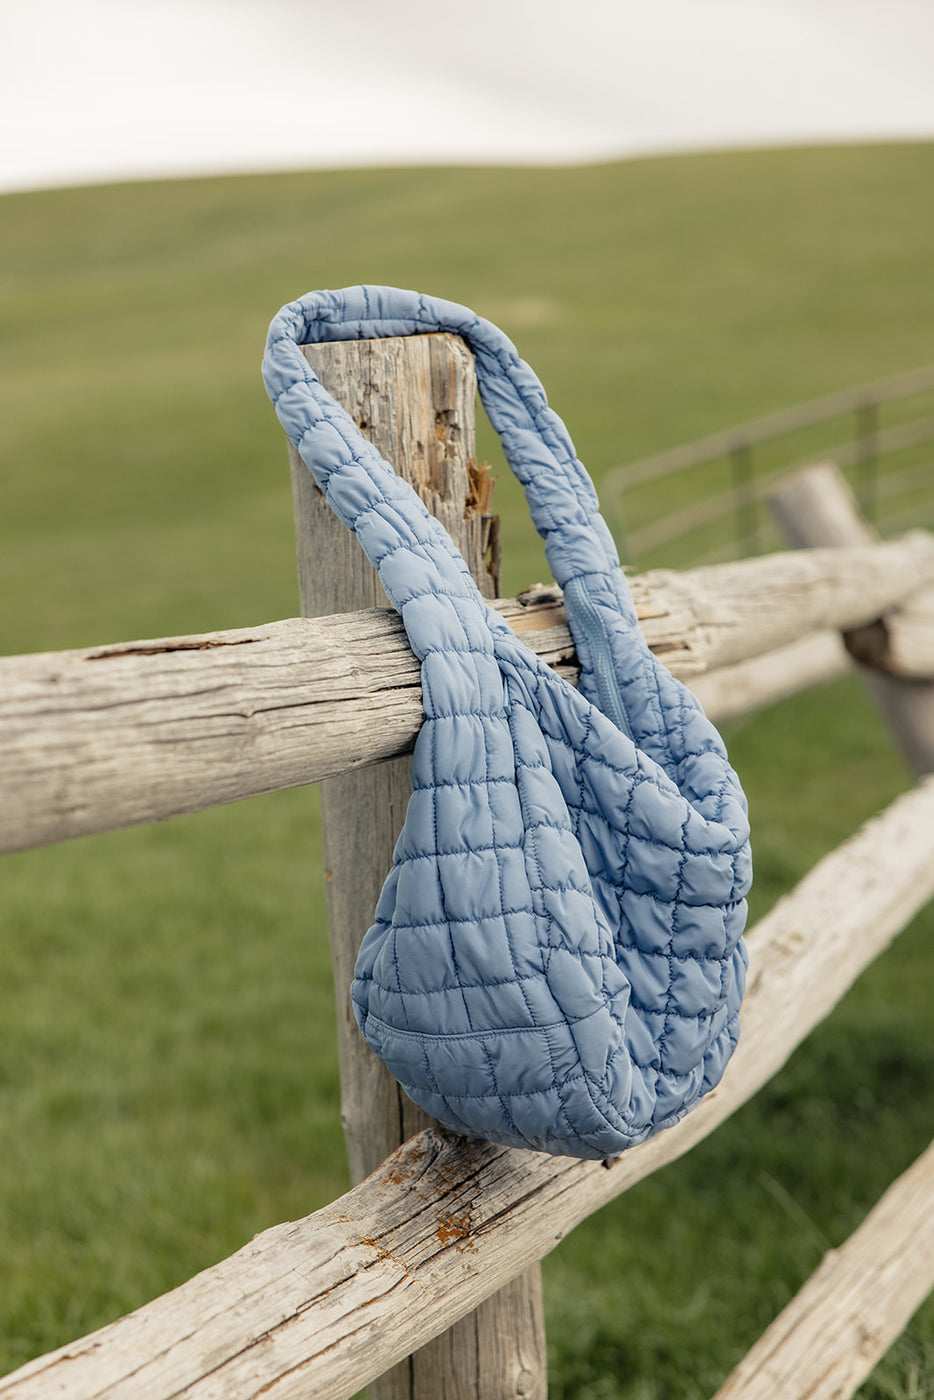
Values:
[(556, 959)]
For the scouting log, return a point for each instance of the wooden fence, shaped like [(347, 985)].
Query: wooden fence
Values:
[(423, 1279), (879, 423)]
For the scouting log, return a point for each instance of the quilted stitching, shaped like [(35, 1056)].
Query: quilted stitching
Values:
[(556, 960)]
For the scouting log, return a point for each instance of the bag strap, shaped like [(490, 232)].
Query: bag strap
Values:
[(387, 514), (560, 494)]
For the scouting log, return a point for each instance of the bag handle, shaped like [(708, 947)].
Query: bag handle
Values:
[(559, 492), (387, 515)]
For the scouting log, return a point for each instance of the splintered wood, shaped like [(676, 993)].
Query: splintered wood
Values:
[(320, 1306), (414, 400), (438, 1241), (138, 731)]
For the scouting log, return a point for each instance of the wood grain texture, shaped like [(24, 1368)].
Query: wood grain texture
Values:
[(722, 614), (414, 399), (830, 1336), (815, 507), (320, 1306), (139, 731)]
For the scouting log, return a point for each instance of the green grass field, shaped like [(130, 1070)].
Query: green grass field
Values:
[(168, 1080)]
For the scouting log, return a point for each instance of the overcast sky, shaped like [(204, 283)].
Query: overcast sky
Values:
[(96, 90)]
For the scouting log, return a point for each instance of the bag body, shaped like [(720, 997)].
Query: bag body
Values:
[(556, 960)]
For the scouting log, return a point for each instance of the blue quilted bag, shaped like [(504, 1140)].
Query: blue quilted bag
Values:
[(556, 960)]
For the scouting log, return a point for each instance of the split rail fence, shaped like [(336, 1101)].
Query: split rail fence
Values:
[(423, 1280), (884, 431)]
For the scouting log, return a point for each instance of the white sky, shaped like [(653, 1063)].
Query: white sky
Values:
[(95, 90)]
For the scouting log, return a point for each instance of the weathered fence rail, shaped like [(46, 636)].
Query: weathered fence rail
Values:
[(110, 736), (443, 1233), (828, 1339), (323, 1305), (815, 507)]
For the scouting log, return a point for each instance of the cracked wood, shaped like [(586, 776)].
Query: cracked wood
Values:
[(111, 736), (413, 398), (322, 1305)]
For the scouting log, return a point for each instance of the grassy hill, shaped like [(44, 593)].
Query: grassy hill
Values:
[(168, 1083)]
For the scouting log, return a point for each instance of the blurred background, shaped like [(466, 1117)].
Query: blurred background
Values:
[(687, 217), (104, 89)]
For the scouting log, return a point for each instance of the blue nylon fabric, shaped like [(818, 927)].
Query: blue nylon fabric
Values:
[(556, 960)]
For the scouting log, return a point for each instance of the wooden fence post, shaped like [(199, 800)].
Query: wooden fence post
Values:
[(414, 399), (815, 507)]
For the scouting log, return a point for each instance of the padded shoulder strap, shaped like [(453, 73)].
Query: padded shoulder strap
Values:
[(561, 496), (387, 515)]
